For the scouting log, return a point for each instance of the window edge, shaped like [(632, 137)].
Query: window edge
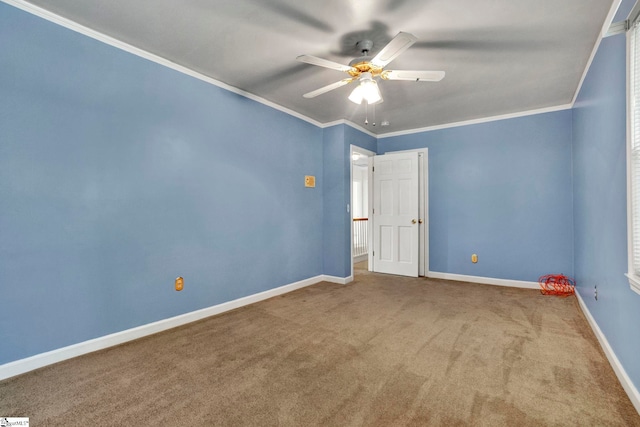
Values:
[(634, 282)]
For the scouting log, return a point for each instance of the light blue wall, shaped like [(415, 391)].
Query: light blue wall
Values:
[(501, 190), (337, 193), (335, 252), (600, 205), (118, 175)]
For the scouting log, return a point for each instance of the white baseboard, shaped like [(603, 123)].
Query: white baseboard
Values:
[(624, 379), (21, 366), (336, 279), (484, 280)]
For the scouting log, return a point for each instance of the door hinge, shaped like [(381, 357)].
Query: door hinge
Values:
[(373, 169), (374, 253)]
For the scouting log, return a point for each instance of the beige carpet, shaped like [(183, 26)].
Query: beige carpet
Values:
[(382, 351)]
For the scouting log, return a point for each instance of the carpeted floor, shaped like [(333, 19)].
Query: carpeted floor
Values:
[(382, 351)]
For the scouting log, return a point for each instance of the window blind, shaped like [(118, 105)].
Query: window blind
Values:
[(635, 146)]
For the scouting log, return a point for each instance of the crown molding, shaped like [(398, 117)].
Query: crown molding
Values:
[(605, 28), (360, 128), (350, 124), (478, 121), (96, 35), (333, 123)]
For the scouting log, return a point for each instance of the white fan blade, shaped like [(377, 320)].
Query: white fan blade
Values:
[(313, 60), (394, 48), (416, 76), (327, 88)]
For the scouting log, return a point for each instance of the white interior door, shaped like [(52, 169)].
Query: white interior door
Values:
[(395, 214)]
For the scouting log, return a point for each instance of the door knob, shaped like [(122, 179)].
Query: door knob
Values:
[(413, 221), (419, 221)]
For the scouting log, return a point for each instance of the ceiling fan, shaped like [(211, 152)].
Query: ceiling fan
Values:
[(366, 68)]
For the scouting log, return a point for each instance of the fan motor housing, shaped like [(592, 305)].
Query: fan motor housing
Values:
[(363, 65)]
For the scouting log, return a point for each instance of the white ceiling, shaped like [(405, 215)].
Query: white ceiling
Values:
[(500, 56)]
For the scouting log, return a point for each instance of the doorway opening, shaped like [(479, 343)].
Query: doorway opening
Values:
[(360, 208)]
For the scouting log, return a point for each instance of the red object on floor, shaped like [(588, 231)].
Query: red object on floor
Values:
[(557, 284)]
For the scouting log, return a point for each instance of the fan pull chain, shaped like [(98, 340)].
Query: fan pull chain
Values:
[(374, 114), (366, 113)]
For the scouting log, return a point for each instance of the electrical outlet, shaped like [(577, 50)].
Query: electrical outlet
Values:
[(595, 292)]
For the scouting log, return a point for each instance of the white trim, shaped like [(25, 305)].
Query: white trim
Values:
[(74, 26), (356, 148), (634, 13), (484, 280), (629, 129), (370, 259), (426, 216), (634, 280), (21, 366), (634, 283), (624, 379), (348, 123), (617, 28), (352, 261), (336, 279), (360, 128), (333, 123), (478, 121), (605, 28)]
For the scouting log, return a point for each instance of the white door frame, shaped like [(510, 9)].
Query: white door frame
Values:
[(369, 154), (423, 203)]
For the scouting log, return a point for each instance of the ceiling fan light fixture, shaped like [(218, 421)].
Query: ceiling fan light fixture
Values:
[(365, 68), (367, 90), (356, 95)]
